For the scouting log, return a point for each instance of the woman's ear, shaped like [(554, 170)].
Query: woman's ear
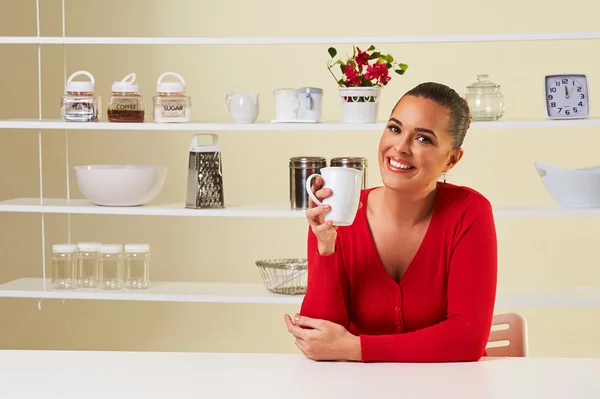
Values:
[(455, 156)]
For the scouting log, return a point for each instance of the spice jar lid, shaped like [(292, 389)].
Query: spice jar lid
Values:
[(89, 246), (170, 87), (137, 247), (111, 248), (304, 162), (348, 161), (78, 86), (64, 248), (127, 84)]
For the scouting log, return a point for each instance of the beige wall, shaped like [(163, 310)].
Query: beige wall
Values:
[(534, 252)]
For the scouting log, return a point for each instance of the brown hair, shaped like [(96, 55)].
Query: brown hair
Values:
[(460, 116)]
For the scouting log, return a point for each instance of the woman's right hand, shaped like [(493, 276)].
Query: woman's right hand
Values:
[(325, 232)]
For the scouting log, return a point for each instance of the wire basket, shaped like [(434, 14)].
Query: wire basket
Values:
[(284, 276)]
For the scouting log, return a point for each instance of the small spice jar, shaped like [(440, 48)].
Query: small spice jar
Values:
[(64, 260), (171, 104), (87, 264), (137, 265), (110, 266), (126, 104), (79, 103)]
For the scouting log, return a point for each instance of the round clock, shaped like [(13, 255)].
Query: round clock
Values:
[(567, 96)]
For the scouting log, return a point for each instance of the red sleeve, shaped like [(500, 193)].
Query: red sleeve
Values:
[(328, 287), (472, 276)]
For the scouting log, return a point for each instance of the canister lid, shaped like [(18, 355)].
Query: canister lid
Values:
[(64, 248), (305, 162), (126, 85), (310, 90), (89, 246), (137, 247), (111, 248), (80, 86), (349, 161)]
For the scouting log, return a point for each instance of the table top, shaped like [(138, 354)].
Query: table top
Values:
[(132, 375)]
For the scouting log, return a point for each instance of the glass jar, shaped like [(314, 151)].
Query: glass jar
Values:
[(110, 266), (485, 100), (137, 265), (171, 104), (79, 103), (87, 264), (64, 259), (126, 104)]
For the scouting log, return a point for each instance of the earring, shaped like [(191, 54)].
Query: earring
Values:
[(444, 179)]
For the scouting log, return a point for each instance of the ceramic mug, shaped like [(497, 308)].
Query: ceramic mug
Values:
[(242, 107), (286, 104), (346, 185)]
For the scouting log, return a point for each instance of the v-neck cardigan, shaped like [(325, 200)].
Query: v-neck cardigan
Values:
[(442, 308)]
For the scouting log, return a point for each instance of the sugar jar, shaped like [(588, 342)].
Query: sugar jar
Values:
[(171, 104), (79, 103), (126, 104), (485, 100)]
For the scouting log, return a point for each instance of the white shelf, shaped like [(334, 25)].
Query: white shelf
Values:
[(50, 124), (303, 40), (256, 293), (159, 291), (80, 206)]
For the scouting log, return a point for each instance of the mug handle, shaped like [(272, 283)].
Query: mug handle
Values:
[(226, 103), (309, 189)]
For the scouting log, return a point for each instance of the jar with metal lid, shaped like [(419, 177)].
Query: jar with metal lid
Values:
[(310, 101), (352, 162), (137, 265), (485, 100), (300, 169), (64, 259)]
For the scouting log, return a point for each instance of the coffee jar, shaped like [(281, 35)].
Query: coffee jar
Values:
[(300, 169), (352, 162)]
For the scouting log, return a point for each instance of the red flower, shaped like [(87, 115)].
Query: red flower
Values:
[(376, 71), (352, 77), (362, 58)]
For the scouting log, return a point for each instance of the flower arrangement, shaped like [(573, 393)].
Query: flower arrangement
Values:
[(368, 68)]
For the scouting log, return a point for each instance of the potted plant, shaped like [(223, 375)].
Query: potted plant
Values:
[(363, 76)]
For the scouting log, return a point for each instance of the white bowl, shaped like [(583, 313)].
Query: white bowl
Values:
[(571, 188), (120, 185)]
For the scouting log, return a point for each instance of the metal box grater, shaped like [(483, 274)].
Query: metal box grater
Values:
[(205, 176)]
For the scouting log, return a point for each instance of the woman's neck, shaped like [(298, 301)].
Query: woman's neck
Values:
[(407, 208)]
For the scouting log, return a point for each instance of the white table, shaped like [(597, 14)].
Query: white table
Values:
[(111, 375)]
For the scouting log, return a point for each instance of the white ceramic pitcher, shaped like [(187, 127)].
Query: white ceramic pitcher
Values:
[(242, 106)]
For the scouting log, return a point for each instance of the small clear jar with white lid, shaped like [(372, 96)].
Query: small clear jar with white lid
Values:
[(125, 103), (110, 266), (64, 260), (171, 105), (80, 103), (87, 264), (137, 266)]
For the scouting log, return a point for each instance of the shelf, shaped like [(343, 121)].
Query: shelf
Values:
[(81, 206), (256, 293), (302, 40), (50, 124)]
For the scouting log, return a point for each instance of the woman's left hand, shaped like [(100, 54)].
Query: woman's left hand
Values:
[(323, 340)]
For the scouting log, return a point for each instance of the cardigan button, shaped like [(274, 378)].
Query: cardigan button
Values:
[(397, 308)]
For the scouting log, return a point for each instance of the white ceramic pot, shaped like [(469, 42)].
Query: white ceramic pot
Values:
[(571, 188), (359, 104), (120, 185)]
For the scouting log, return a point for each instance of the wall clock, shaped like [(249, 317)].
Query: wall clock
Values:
[(567, 96)]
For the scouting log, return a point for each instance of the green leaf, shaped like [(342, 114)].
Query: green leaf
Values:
[(399, 71), (332, 52), (342, 83), (343, 68), (371, 48), (388, 65), (374, 55), (389, 58), (404, 67), (339, 62)]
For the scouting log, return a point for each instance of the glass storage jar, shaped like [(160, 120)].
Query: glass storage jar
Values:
[(485, 100), (79, 103), (137, 265), (64, 259), (110, 266), (87, 264), (126, 104), (171, 104)]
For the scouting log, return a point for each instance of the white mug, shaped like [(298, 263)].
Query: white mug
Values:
[(242, 107), (286, 104), (345, 184)]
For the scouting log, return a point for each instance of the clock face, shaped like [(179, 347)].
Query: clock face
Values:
[(567, 96)]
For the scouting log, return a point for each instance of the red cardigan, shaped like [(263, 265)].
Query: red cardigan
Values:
[(442, 308)]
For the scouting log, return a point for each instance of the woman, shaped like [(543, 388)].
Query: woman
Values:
[(413, 279)]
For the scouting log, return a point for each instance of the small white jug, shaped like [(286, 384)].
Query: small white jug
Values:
[(242, 107)]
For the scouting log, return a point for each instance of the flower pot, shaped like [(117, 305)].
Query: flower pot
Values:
[(359, 104)]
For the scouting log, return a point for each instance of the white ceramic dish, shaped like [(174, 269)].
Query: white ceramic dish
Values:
[(294, 121), (120, 185), (571, 188)]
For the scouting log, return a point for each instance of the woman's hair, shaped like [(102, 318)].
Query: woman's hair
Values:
[(460, 116)]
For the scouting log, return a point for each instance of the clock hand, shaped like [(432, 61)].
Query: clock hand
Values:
[(566, 92)]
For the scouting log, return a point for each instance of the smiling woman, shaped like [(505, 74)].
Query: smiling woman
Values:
[(413, 279)]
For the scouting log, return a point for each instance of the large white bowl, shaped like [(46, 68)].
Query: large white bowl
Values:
[(571, 188), (120, 185)]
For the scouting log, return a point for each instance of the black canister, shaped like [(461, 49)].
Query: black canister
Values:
[(300, 169), (352, 162)]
